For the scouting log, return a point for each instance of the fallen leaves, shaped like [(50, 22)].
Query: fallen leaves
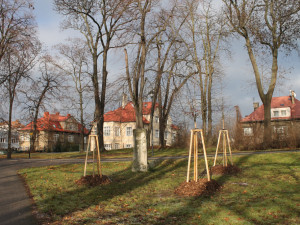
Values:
[(202, 187)]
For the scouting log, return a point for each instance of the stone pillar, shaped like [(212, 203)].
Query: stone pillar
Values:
[(140, 158)]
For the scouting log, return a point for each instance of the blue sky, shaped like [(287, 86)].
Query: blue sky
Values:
[(238, 71)]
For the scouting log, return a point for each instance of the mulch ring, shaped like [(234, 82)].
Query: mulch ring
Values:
[(93, 180), (220, 169), (201, 187)]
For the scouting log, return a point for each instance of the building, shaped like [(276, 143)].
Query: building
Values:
[(54, 133), (119, 125), (285, 118), (16, 126)]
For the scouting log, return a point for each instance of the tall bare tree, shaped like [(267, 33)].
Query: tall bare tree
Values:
[(17, 63), (267, 26), (75, 63), (16, 23), (40, 89), (204, 34), (100, 22)]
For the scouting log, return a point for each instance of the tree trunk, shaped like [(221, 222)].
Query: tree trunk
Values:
[(9, 150), (98, 108), (81, 149), (209, 112), (162, 128)]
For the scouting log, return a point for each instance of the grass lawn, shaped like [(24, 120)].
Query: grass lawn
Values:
[(122, 153), (265, 192)]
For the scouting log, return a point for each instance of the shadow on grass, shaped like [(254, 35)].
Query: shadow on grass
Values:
[(242, 212), (82, 197)]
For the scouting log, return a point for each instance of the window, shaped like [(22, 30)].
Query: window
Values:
[(106, 131), (117, 131), (248, 131), (283, 112), (156, 119), (173, 136), (70, 138), (128, 131), (2, 140), (166, 135), (280, 129), (55, 137), (276, 113), (13, 140), (157, 133), (117, 146), (107, 146), (84, 140), (27, 137), (128, 146)]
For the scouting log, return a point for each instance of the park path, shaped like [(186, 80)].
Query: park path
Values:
[(15, 204)]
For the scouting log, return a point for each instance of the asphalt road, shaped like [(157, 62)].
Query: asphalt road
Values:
[(16, 206)]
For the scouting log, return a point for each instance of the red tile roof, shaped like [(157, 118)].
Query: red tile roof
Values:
[(127, 114), (14, 124), (51, 122), (277, 102)]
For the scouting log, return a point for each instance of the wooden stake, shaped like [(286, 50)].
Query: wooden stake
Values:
[(194, 149), (98, 156), (86, 157), (217, 148), (99, 163), (223, 134), (190, 156)]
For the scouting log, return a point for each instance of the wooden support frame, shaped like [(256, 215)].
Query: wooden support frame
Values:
[(224, 136), (194, 150), (98, 155)]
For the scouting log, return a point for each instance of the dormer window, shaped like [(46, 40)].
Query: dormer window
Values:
[(281, 112)]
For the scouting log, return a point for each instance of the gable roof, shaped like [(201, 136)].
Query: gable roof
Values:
[(277, 102), (51, 122), (127, 114)]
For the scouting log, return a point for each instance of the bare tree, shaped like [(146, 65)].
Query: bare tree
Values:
[(99, 21), (266, 26), (16, 23), (17, 63), (136, 77), (75, 63), (204, 34), (41, 89)]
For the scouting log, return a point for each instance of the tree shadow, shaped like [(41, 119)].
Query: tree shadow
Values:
[(183, 214), (82, 197)]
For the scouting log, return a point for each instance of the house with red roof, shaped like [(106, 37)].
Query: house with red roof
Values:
[(15, 127), (53, 131), (285, 117), (119, 125)]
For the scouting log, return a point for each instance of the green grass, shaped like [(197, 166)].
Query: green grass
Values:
[(271, 194)]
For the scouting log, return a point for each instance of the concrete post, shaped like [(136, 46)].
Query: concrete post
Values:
[(140, 158)]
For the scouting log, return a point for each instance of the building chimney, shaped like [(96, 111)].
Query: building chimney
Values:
[(124, 100), (293, 96), (255, 105)]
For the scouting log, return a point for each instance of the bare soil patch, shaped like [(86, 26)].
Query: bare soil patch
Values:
[(220, 169), (201, 187), (93, 180)]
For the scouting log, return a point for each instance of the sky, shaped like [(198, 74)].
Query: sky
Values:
[(238, 89)]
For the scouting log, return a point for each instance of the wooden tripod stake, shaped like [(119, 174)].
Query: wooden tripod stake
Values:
[(223, 136), (98, 155), (194, 150)]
